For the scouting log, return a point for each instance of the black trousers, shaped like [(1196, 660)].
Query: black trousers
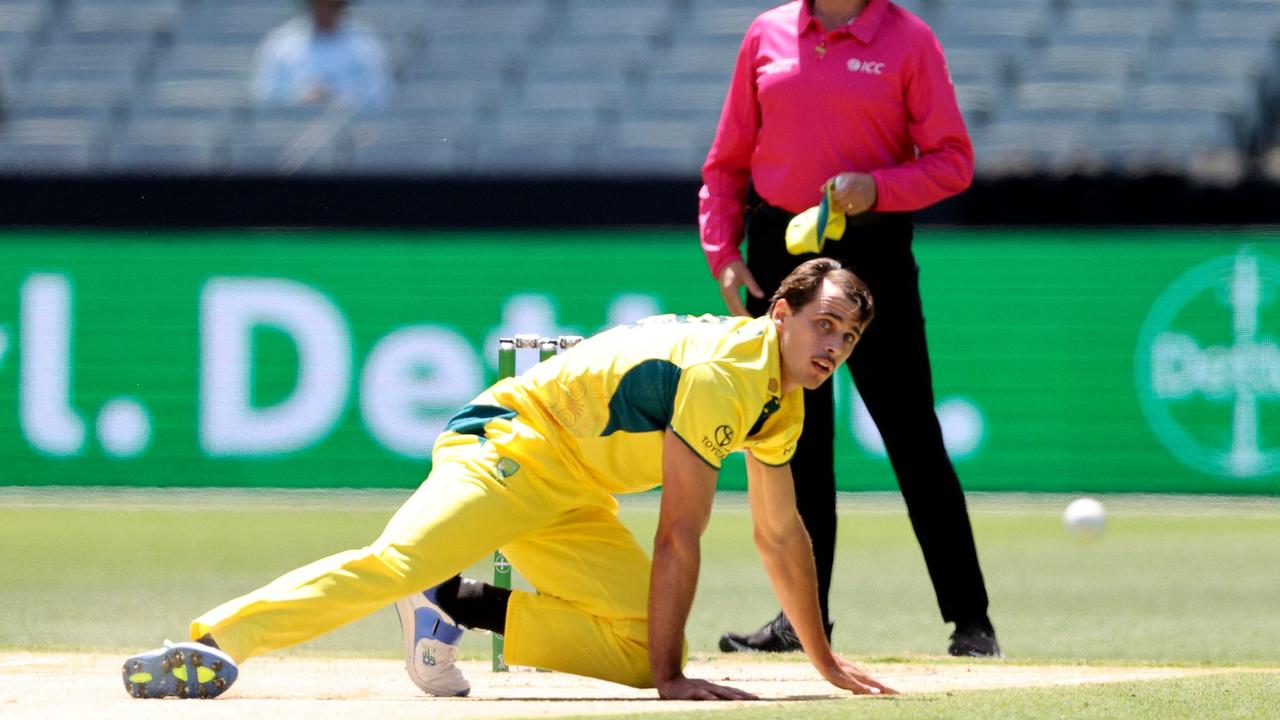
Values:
[(890, 367)]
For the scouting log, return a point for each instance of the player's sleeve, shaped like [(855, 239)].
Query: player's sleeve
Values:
[(707, 413), (727, 170), (775, 443), (944, 166)]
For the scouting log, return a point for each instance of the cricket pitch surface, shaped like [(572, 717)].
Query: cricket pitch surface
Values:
[(58, 685)]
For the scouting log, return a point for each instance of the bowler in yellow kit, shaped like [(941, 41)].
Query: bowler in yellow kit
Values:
[(532, 466)]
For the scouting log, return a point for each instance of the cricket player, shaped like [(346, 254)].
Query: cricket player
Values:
[(532, 466)]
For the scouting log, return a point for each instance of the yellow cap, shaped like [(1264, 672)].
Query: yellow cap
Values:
[(802, 232)]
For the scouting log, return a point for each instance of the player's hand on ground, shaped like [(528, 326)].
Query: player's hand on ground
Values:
[(732, 277), (844, 674), (683, 688), (855, 193)]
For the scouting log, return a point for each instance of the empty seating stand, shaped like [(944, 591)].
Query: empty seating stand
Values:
[(627, 87)]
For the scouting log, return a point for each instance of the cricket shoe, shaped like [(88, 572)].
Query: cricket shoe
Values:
[(431, 640), (975, 639), (777, 635), (185, 669)]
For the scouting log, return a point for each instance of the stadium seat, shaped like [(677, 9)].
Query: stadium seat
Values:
[(151, 157), (537, 83), (694, 60), (980, 67), (24, 19), (1080, 58), (646, 160), (416, 155), (718, 22), (86, 100), (203, 94), (1082, 101), (289, 147), (207, 61), (1027, 147), (689, 136), (117, 63), (645, 17), (697, 101), (233, 22), (469, 54), (596, 99), (100, 20), (1141, 21), (1270, 163), (49, 145), (977, 104), (1140, 145), (45, 157), (529, 157), (1010, 29), (551, 126), (468, 96), (618, 59), (436, 142)]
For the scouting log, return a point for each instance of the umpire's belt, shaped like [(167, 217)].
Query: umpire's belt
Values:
[(759, 207)]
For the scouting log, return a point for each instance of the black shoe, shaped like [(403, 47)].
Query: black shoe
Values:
[(975, 639), (776, 635)]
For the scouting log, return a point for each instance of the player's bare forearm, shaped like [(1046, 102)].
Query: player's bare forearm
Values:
[(785, 549), (676, 557), (688, 487), (672, 583), (788, 560)]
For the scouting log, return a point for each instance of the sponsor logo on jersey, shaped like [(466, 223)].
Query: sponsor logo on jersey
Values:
[(867, 67), (723, 439)]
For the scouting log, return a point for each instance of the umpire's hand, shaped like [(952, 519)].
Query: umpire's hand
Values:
[(732, 277), (854, 193)]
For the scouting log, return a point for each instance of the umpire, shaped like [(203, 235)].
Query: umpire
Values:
[(856, 94)]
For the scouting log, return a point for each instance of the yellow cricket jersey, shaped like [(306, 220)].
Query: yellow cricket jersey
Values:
[(605, 404)]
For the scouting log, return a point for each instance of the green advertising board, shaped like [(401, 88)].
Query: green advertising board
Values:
[(1083, 361)]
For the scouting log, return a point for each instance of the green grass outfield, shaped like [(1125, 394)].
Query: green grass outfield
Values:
[(1189, 581)]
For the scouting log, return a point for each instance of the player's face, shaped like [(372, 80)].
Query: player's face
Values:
[(816, 338)]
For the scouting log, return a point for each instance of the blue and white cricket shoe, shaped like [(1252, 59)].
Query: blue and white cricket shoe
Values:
[(431, 640), (186, 669)]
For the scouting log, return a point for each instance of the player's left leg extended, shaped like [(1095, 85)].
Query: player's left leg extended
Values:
[(454, 519), (590, 616)]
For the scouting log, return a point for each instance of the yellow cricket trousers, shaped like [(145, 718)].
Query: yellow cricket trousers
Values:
[(510, 491)]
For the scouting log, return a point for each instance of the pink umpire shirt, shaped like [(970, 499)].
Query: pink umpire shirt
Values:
[(872, 96)]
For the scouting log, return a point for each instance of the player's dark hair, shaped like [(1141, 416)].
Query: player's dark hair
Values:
[(803, 284)]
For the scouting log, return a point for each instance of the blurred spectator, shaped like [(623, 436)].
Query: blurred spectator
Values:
[(321, 59)]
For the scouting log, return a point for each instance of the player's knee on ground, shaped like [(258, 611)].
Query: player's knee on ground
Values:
[(551, 633)]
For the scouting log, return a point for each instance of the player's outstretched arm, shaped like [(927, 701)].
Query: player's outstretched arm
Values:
[(688, 487), (788, 559)]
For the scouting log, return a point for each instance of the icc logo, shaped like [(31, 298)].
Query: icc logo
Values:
[(1208, 366)]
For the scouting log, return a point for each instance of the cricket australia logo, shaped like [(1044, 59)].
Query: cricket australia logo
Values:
[(1208, 366), (506, 468)]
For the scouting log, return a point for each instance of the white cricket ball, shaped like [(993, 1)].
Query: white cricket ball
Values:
[(1084, 518)]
